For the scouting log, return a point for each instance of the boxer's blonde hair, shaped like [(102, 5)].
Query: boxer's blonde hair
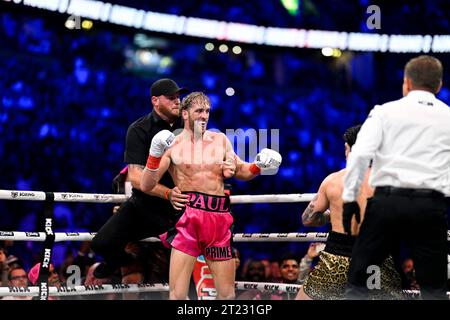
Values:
[(194, 97)]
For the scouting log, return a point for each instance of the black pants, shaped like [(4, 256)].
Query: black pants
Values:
[(138, 218), (420, 222)]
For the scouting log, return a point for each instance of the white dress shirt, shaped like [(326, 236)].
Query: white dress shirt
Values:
[(409, 142)]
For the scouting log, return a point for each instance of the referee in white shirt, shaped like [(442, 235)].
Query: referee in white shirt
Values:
[(408, 141)]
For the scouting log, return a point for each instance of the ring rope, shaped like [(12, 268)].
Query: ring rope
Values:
[(294, 288), (237, 237), (273, 198), (280, 237), (85, 290), (117, 198), (155, 287), (62, 196)]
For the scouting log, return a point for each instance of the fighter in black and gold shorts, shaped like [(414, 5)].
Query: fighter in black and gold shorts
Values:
[(328, 279)]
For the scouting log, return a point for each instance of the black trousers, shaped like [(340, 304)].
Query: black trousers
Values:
[(419, 222), (138, 218)]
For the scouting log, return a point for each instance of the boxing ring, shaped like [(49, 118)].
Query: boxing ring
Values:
[(49, 238)]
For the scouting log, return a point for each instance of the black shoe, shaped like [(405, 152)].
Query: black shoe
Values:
[(103, 270)]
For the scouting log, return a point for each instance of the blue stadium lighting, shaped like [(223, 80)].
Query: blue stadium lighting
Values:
[(244, 33)]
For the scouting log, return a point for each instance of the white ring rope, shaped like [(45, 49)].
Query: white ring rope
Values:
[(273, 198), (267, 286), (85, 290), (62, 196), (156, 287), (280, 237), (238, 237), (293, 288), (117, 198)]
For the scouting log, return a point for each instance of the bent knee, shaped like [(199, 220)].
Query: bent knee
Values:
[(173, 295), (226, 296)]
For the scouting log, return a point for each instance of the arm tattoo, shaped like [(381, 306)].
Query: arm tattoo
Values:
[(315, 218)]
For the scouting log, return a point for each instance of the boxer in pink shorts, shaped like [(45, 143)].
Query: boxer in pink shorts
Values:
[(198, 161), (204, 228)]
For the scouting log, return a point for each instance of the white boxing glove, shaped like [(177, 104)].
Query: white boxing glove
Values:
[(162, 141), (268, 159)]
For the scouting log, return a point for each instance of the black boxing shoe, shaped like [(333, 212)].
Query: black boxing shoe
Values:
[(103, 270)]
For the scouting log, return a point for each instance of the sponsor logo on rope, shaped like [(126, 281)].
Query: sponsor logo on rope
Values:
[(66, 289), (71, 196), (32, 234), (16, 194), (271, 287), (121, 286), (282, 235), (321, 235), (94, 287), (72, 234), (291, 289), (249, 286), (300, 235), (246, 235), (6, 233), (19, 289), (102, 197), (146, 285), (264, 235)]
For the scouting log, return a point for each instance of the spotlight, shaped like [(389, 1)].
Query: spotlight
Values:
[(229, 92), (87, 24), (70, 24), (237, 50), (209, 46), (327, 51), (223, 48), (337, 53), (145, 57)]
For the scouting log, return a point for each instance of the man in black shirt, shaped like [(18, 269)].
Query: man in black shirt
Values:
[(143, 214)]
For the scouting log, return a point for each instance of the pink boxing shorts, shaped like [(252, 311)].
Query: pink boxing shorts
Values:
[(204, 228)]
